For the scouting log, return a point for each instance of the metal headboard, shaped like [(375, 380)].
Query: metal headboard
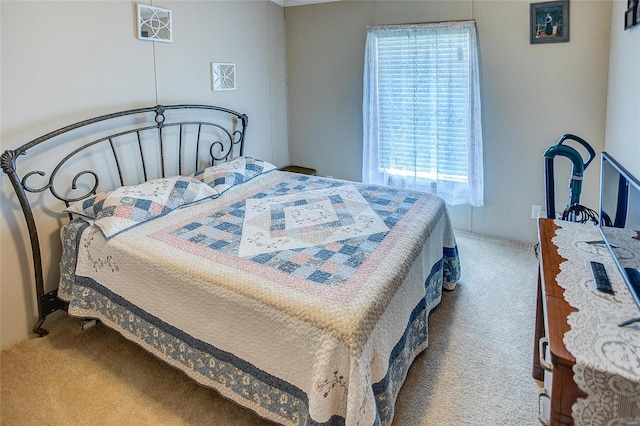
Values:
[(148, 131)]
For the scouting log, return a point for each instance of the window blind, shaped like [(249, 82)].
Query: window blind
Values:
[(423, 103), (421, 110)]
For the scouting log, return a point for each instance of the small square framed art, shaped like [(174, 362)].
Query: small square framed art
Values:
[(549, 22)]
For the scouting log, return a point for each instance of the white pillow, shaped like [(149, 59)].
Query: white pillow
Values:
[(223, 176), (128, 206)]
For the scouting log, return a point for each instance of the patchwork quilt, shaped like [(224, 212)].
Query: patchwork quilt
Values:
[(301, 298)]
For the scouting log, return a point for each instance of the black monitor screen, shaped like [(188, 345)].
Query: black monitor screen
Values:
[(620, 220)]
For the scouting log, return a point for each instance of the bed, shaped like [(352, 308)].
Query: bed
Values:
[(302, 298)]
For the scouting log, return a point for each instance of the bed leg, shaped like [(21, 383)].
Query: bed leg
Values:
[(86, 324), (41, 332)]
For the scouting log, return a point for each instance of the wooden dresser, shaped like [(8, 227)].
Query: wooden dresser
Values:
[(551, 323)]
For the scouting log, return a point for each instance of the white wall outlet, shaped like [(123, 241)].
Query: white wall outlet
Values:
[(536, 211)]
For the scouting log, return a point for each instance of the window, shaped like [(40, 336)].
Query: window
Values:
[(421, 110)]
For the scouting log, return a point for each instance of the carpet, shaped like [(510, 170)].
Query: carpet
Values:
[(476, 370)]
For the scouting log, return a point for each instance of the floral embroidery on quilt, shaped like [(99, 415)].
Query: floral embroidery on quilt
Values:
[(326, 386), (97, 262)]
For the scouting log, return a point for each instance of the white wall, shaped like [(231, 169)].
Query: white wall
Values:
[(532, 95), (63, 62), (623, 100)]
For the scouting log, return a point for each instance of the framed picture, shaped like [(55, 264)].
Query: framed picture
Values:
[(631, 14), (223, 76), (549, 22), (628, 19), (154, 23)]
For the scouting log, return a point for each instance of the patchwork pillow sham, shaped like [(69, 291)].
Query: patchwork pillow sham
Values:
[(223, 176), (118, 210)]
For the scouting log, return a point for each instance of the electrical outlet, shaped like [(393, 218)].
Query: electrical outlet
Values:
[(536, 211)]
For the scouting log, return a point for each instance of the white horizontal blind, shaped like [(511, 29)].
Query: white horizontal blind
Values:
[(421, 110), (423, 90)]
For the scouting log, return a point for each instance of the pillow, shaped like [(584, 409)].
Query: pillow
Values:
[(128, 206), (223, 176)]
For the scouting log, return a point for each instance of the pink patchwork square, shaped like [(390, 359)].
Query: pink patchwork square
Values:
[(101, 196), (227, 218), (222, 235), (155, 208), (123, 211), (300, 258), (330, 266), (336, 246)]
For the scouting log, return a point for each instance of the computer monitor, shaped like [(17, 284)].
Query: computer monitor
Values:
[(620, 220)]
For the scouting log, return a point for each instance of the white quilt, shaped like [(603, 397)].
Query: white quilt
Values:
[(304, 299)]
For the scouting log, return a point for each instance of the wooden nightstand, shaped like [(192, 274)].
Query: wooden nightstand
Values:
[(299, 169)]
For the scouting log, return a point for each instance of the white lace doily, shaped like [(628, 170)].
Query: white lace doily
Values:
[(607, 357)]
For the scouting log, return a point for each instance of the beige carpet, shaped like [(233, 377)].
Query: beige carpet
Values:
[(476, 370)]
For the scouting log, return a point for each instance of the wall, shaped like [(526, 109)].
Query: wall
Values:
[(63, 62), (532, 95), (623, 97)]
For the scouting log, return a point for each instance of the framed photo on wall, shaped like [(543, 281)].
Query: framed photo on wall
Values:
[(632, 14), (549, 22)]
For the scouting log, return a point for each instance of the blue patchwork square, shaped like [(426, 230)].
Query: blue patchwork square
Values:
[(288, 267), (253, 167), (142, 204), (381, 201), (377, 237), (198, 238), (192, 226), (97, 206), (319, 276), (278, 226), (237, 212), (263, 258), (348, 249), (354, 262), (219, 244), (391, 221), (324, 254), (226, 226)]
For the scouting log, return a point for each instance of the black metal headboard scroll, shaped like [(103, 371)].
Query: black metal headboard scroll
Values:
[(164, 132)]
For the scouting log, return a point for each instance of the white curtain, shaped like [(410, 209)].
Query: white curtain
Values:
[(421, 110)]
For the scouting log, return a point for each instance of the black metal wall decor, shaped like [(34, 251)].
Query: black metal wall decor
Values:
[(549, 22)]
